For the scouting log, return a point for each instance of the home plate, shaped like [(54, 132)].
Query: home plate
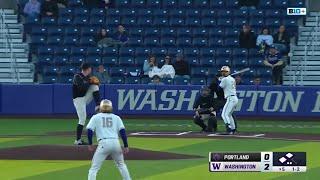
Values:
[(236, 135), (160, 133)]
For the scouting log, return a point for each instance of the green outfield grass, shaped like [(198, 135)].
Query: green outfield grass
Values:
[(33, 132)]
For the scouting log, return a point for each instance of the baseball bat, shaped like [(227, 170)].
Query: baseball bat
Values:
[(240, 71)]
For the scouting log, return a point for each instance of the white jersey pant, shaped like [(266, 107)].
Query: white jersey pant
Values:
[(227, 111), (80, 103), (105, 148)]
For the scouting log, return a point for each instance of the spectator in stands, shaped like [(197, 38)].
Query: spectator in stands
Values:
[(96, 3), (248, 4), (49, 8), (121, 35), (264, 40), (156, 81), (247, 38), (150, 67), (167, 70), (256, 80), (273, 59), (103, 40), (238, 80), (32, 8), (62, 3), (282, 40), (181, 67), (102, 74)]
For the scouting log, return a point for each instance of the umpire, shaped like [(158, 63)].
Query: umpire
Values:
[(85, 88), (219, 100), (204, 110)]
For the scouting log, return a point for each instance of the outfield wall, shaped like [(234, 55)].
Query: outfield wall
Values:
[(159, 100)]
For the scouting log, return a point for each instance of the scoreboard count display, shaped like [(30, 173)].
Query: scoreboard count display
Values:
[(257, 162)]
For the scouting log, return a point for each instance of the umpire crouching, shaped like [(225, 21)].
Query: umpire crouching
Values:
[(204, 110)]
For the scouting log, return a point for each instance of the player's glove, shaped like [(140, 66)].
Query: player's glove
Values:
[(94, 80)]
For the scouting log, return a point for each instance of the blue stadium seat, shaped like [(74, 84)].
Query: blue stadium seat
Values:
[(126, 61), (232, 32), (145, 21), (132, 80), (151, 32), (93, 60), (191, 52), (39, 31), (240, 13), (56, 31), (181, 81), (176, 22), (208, 22), (122, 3), (256, 13), (217, 4), (45, 60), (81, 12), (193, 13), (207, 61), (207, 52), (184, 32), (200, 32), (265, 4), (78, 51), (208, 13), (70, 40), (160, 13), (193, 61), (240, 52), (198, 81), (296, 3), (256, 62), (67, 79), (232, 4), (145, 80), (126, 51), (94, 51), (133, 70), (185, 3), (231, 42), (113, 13), (238, 22), (274, 13), (240, 62), (201, 3), (223, 61), (134, 42), (117, 71), (137, 3), (110, 61), (174, 51), (110, 51), (264, 72), (199, 71), (281, 3), (87, 41), (129, 21), (38, 40), (45, 50), (256, 22), (169, 3), (140, 60), (254, 53), (153, 3), (50, 79), (167, 81), (161, 21), (97, 21), (200, 42), (76, 59), (151, 41), (72, 31), (216, 42), (184, 42), (136, 32), (290, 22), (67, 70), (51, 70), (224, 22), (168, 42), (117, 80), (222, 13), (128, 12), (48, 21), (168, 32), (61, 51), (272, 22), (217, 32), (142, 51), (65, 21), (113, 21), (66, 12), (97, 12), (61, 60), (193, 22), (266, 82), (224, 52), (74, 3)]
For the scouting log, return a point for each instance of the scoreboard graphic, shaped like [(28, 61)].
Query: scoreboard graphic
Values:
[(257, 162)]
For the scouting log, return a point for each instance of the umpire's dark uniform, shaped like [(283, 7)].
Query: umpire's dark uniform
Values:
[(202, 105)]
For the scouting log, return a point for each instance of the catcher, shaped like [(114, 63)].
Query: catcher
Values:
[(204, 110), (85, 88)]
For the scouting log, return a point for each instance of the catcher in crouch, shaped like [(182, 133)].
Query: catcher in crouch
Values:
[(85, 88), (204, 110)]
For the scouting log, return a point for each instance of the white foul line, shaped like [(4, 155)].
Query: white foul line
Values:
[(183, 133), (242, 136)]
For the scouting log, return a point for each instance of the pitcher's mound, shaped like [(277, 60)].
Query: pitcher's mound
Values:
[(60, 152)]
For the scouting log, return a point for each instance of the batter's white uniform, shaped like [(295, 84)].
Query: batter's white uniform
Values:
[(107, 127), (80, 103), (228, 84)]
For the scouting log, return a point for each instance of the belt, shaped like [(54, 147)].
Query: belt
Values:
[(105, 139), (230, 96)]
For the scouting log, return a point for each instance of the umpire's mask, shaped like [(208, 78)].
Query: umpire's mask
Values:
[(205, 91), (106, 106)]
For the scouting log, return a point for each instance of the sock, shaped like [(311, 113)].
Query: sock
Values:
[(79, 131), (96, 97)]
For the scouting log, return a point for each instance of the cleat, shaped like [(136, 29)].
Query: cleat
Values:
[(80, 142)]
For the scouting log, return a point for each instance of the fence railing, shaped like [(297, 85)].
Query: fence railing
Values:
[(7, 45)]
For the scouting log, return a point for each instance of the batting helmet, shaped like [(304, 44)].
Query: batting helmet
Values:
[(225, 69), (106, 106)]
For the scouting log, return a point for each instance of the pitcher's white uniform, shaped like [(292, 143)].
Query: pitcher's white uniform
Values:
[(228, 84), (107, 127)]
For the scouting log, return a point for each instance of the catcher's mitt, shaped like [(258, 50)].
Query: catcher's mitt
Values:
[(94, 80)]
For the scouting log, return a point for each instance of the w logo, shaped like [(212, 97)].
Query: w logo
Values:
[(215, 166)]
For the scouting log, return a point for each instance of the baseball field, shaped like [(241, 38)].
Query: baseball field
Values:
[(41, 149)]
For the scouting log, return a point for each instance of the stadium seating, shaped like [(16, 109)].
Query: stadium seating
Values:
[(205, 31)]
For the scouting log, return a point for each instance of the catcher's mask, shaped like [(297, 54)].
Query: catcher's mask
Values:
[(106, 106), (205, 91)]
